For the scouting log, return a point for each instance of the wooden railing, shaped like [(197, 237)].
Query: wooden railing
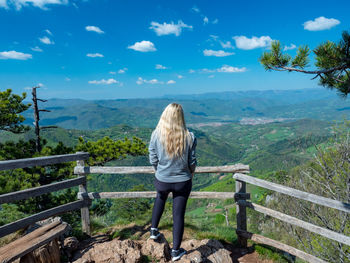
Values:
[(83, 194), (37, 191), (240, 195), (243, 234)]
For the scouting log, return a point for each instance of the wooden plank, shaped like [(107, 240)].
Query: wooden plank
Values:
[(241, 214), (345, 207), (297, 222), (152, 194), (273, 243), (149, 169), (42, 161), (32, 241), (40, 190), (22, 223)]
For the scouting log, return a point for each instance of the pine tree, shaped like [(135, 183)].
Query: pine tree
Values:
[(332, 63)]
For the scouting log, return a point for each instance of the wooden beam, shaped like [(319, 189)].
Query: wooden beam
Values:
[(345, 207), (22, 223), (42, 161), (297, 222), (32, 241), (273, 243), (36, 191), (149, 169), (152, 194)]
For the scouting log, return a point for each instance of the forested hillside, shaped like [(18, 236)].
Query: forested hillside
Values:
[(212, 107)]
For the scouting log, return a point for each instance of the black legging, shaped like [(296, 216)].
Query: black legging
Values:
[(180, 191)]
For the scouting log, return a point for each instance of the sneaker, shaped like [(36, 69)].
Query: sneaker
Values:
[(177, 254), (154, 233)]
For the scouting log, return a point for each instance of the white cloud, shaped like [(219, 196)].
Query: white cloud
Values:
[(67, 79), (3, 4), (223, 69), (45, 40), (14, 55), (167, 29), (158, 66), (216, 53), (40, 85), (94, 29), (205, 70), (292, 46), (48, 31), (122, 71), (243, 42), (171, 82), (18, 4), (226, 44), (103, 81), (215, 21), (230, 69), (94, 55), (196, 9), (36, 49), (205, 20), (141, 81), (112, 72), (180, 76), (211, 76), (143, 46), (191, 71), (320, 23)]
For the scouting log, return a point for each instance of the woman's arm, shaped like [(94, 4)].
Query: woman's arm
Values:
[(153, 158)]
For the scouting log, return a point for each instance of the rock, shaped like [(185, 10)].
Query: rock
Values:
[(70, 244), (206, 250), (134, 251), (159, 249), (126, 251)]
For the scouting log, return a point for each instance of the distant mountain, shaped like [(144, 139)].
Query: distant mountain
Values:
[(284, 97), (317, 103)]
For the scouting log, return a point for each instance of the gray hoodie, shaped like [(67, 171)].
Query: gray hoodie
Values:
[(172, 170)]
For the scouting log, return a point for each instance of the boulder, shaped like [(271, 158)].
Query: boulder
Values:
[(206, 250), (159, 249), (125, 251)]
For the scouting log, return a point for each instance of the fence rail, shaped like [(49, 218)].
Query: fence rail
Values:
[(42, 161), (320, 200), (152, 194), (237, 168), (40, 190)]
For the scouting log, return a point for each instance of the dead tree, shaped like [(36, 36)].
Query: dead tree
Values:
[(37, 119)]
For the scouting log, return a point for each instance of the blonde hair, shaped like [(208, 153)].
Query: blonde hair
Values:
[(172, 130)]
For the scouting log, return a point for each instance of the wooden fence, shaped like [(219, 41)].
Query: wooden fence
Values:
[(240, 195)]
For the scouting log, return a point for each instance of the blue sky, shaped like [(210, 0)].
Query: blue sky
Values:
[(107, 49)]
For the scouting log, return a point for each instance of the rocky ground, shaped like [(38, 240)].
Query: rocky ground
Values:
[(100, 249)]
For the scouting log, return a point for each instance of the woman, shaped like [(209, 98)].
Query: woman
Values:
[(172, 154)]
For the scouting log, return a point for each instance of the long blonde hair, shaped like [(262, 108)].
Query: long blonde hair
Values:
[(172, 130)]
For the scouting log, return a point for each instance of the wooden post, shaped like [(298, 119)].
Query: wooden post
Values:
[(241, 214), (85, 216)]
